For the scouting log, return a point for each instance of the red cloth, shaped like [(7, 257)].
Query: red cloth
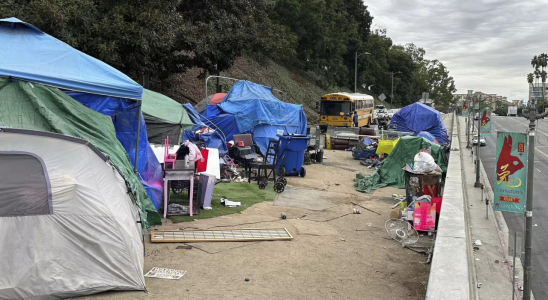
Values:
[(201, 164), (430, 190), (437, 201)]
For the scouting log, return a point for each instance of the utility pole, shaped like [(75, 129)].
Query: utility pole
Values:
[(356, 70), (392, 92), (532, 115)]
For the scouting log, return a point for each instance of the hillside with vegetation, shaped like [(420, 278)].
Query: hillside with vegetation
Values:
[(305, 48)]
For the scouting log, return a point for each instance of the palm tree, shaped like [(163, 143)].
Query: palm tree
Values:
[(534, 62), (530, 78), (543, 60)]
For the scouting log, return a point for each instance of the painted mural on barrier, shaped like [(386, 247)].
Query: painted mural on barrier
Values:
[(511, 173)]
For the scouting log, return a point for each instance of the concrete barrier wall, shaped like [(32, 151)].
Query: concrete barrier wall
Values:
[(450, 272)]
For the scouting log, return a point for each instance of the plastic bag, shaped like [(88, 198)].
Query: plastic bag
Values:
[(425, 163), (194, 152)]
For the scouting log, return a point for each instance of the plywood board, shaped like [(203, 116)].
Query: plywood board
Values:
[(226, 235)]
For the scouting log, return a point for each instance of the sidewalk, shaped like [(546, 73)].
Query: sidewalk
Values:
[(492, 269)]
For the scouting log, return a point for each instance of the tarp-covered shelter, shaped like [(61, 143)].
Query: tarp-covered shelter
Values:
[(257, 111), (418, 117), (30, 55), (164, 117), (391, 173)]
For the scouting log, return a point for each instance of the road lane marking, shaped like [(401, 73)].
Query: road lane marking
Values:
[(541, 152), (536, 148)]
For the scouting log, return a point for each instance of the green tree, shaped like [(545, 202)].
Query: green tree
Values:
[(135, 36), (218, 32)]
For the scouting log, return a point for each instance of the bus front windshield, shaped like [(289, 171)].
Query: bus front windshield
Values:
[(335, 108)]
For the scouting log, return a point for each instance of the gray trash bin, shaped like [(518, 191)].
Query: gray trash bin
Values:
[(208, 183)]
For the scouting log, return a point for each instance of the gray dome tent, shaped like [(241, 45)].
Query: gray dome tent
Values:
[(67, 224)]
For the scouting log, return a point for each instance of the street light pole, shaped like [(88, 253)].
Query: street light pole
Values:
[(392, 92), (356, 69), (533, 116), (478, 183)]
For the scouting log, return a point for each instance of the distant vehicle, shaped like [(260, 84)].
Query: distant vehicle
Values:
[(512, 111), (493, 114), (381, 116), (392, 112), (338, 109), (481, 140), (476, 117)]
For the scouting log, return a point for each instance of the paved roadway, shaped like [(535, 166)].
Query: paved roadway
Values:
[(516, 222)]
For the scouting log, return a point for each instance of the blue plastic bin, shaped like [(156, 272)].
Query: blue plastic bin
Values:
[(291, 152)]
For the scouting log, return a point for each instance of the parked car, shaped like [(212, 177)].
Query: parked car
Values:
[(392, 112), (481, 140)]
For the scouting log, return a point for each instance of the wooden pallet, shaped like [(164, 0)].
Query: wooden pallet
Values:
[(226, 235)]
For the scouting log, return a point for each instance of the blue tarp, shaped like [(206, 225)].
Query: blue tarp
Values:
[(427, 136), (257, 111), (213, 117), (194, 117), (418, 117), (125, 123), (211, 140), (28, 53)]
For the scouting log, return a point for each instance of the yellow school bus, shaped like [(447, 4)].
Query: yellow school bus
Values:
[(338, 109)]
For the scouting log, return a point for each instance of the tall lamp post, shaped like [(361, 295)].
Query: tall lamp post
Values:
[(392, 92), (478, 183), (541, 62), (356, 70)]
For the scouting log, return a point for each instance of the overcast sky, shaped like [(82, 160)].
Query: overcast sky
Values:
[(487, 45)]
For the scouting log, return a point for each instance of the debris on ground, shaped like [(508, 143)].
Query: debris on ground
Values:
[(163, 273)]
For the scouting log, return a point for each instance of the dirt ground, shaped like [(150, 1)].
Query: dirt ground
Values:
[(334, 254)]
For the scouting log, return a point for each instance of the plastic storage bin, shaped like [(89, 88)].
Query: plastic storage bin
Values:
[(291, 153)]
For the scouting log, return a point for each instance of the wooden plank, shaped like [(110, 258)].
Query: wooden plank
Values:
[(225, 235)]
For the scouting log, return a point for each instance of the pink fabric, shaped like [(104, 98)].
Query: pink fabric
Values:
[(194, 152)]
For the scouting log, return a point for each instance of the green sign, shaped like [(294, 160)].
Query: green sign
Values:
[(476, 103), (465, 109), (486, 122), (511, 172)]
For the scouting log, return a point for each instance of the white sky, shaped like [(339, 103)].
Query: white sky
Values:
[(487, 45)]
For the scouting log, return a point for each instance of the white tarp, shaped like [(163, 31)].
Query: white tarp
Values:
[(89, 241)]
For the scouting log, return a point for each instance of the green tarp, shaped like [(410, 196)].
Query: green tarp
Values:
[(38, 107), (391, 173), (164, 117)]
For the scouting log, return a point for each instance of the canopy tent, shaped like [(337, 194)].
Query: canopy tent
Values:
[(68, 226), (164, 117), (418, 117), (391, 173), (29, 54), (257, 111), (60, 113)]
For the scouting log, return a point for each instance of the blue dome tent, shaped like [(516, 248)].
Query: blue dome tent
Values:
[(418, 117)]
